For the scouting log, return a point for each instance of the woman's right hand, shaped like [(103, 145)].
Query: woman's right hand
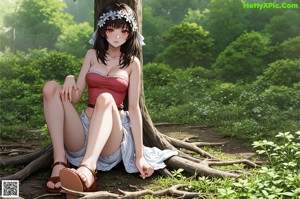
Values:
[(67, 89)]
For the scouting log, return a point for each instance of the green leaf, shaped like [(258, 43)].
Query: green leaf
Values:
[(286, 194), (265, 193)]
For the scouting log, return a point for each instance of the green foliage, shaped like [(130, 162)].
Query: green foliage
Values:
[(283, 27), (74, 39), (289, 49), (83, 11), (280, 73), (280, 179), (243, 59), (22, 81), (284, 154), (45, 133), (245, 111), (157, 74), (153, 27), (195, 16), (225, 21), (37, 24), (257, 19), (188, 45), (282, 97), (173, 10)]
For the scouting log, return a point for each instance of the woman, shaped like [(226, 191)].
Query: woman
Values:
[(104, 134)]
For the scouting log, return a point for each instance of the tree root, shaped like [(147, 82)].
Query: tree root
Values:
[(189, 146), (24, 159), (189, 139), (43, 159)]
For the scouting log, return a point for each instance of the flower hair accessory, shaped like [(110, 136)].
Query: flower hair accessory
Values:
[(113, 15)]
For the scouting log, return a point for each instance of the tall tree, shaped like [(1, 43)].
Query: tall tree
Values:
[(187, 45), (225, 21), (285, 26), (37, 24), (243, 59)]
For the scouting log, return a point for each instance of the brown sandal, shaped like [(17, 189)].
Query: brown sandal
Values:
[(71, 180), (55, 179)]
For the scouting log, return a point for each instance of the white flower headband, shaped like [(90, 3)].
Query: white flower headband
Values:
[(113, 15)]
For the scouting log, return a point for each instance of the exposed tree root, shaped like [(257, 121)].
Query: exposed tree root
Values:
[(40, 159), (189, 139)]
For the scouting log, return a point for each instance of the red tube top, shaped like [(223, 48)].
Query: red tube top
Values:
[(99, 83)]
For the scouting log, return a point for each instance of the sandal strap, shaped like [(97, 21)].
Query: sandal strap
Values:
[(93, 171), (60, 163)]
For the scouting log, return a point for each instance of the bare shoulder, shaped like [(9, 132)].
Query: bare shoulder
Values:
[(88, 59), (135, 64), (90, 53)]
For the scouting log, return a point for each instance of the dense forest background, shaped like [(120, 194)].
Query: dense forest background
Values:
[(214, 63)]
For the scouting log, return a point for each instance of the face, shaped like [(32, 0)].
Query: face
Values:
[(116, 36)]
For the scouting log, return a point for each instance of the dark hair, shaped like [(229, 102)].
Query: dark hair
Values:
[(129, 48)]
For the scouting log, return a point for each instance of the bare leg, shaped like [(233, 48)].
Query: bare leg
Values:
[(105, 135), (55, 114)]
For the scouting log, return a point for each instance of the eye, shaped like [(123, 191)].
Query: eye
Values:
[(109, 30), (125, 32)]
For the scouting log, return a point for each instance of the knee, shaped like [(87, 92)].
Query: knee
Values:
[(50, 89), (104, 100)]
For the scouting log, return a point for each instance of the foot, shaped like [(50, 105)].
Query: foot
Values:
[(54, 182), (86, 175), (83, 179)]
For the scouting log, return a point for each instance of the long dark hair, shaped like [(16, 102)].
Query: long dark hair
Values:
[(130, 48)]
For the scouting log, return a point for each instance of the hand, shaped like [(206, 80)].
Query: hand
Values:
[(66, 91), (144, 168)]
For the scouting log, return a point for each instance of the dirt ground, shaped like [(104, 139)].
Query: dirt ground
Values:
[(117, 178)]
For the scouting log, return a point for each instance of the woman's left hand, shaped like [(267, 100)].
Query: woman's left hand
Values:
[(144, 168)]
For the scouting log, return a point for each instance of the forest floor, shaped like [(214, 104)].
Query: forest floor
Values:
[(117, 178)]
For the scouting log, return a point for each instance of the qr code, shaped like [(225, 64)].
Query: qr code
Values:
[(10, 188)]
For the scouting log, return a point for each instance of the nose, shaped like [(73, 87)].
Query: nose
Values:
[(117, 34)]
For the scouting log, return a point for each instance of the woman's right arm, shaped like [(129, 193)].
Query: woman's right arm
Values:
[(73, 90)]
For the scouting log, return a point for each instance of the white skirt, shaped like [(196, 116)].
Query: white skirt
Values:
[(154, 156)]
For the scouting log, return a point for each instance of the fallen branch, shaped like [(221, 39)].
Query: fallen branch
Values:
[(171, 191)]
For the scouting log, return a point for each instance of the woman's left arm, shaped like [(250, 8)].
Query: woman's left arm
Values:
[(136, 119)]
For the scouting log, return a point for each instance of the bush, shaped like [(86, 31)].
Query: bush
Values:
[(290, 49), (156, 74), (243, 59), (280, 73), (188, 45), (22, 82), (282, 97)]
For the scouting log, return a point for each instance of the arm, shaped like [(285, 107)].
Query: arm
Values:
[(136, 119), (72, 89), (134, 108)]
